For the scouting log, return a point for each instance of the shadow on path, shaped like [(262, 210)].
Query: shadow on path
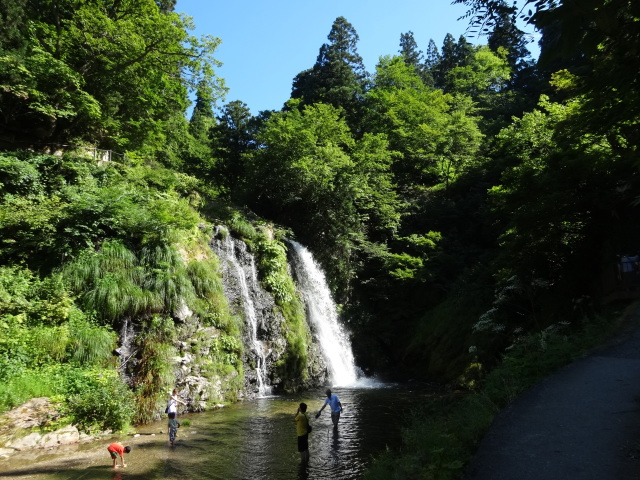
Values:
[(582, 423)]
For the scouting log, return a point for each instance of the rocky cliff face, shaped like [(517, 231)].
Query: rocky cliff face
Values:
[(202, 379), (195, 370), (265, 340)]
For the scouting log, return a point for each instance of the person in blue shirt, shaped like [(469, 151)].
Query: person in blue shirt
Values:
[(334, 404), (173, 426)]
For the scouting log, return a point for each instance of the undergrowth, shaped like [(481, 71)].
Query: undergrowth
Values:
[(442, 435)]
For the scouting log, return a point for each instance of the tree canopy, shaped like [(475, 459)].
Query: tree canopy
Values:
[(115, 74)]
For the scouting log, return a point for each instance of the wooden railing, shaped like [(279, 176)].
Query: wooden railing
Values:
[(99, 155)]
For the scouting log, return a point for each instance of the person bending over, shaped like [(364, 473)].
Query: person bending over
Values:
[(117, 449)]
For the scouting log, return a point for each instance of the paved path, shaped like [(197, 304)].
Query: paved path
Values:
[(582, 423)]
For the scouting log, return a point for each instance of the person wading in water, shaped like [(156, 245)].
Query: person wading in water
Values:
[(302, 429), (334, 404)]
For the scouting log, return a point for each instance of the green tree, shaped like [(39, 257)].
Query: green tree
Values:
[(202, 110), (484, 78), (312, 175), (603, 35), (197, 153), (166, 5), (561, 216), (38, 87), (453, 54), (409, 49), (13, 36), (233, 137), (338, 76), (524, 86), (434, 134), (432, 57), (114, 73), (413, 57), (506, 35)]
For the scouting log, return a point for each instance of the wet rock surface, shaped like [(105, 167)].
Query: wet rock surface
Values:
[(271, 324)]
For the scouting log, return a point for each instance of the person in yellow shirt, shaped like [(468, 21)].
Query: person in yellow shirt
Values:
[(303, 429)]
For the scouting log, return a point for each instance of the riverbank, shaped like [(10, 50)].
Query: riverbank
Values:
[(251, 439), (32, 430), (34, 426)]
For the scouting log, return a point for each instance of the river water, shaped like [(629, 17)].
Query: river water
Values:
[(245, 441), (254, 440)]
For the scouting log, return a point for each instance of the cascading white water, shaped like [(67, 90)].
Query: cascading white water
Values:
[(258, 347), (323, 314)]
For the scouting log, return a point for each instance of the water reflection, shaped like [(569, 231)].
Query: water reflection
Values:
[(252, 440), (335, 445), (303, 472)]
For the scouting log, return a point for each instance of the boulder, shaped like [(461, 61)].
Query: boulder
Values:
[(64, 436), (33, 415), (23, 443)]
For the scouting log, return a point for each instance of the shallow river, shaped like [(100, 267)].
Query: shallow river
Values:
[(246, 441)]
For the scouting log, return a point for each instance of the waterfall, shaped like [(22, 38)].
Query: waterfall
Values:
[(323, 315), (126, 349), (247, 281)]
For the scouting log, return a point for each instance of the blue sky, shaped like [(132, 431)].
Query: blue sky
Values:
[(265, 44)]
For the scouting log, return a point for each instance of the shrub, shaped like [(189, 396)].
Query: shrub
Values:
[(48, 345), (91, 344), (154, 372), (38, 302), (274, 270), (14, 346), (242, 228), (103, 402), (226, 349)]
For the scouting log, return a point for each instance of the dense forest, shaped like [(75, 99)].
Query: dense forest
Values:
[(459, 200)]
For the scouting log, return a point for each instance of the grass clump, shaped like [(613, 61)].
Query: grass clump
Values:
[(154, 375)]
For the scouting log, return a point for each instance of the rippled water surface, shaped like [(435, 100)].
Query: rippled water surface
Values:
[(249, 440)]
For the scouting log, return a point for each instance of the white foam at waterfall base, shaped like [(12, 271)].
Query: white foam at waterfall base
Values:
[(323, 315)]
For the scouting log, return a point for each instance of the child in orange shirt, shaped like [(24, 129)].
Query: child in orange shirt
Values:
[(117, 449)]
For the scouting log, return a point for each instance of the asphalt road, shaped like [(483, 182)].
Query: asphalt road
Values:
[(582, 423)]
